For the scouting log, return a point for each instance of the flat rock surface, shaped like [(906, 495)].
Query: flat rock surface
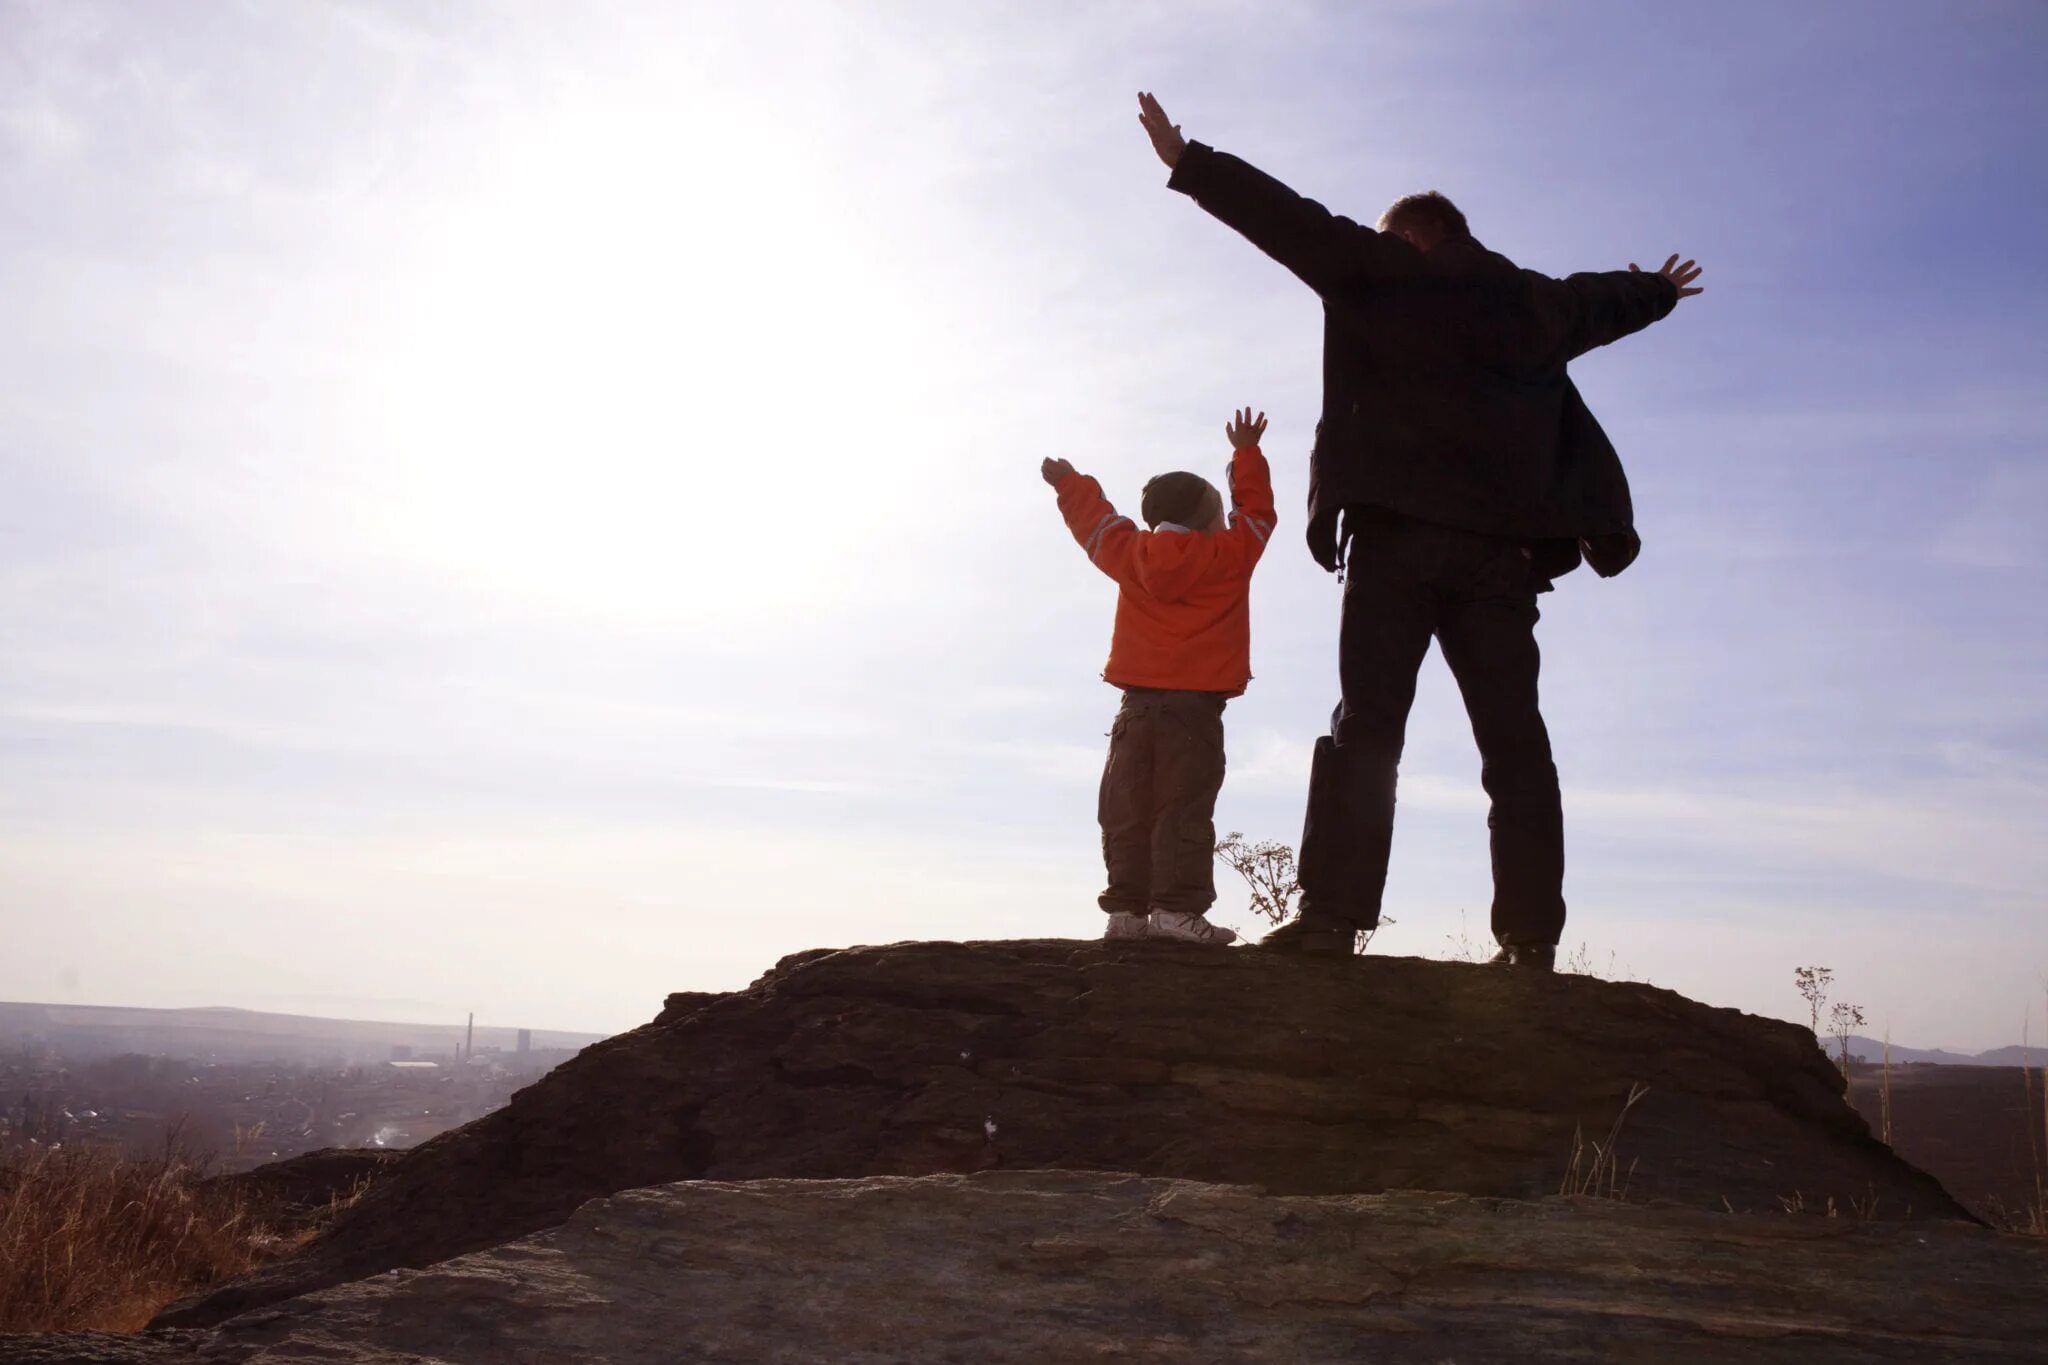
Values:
[(1232, 1066), (1064, 1266)]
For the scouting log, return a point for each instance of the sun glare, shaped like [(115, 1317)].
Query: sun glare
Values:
[(630, 371)]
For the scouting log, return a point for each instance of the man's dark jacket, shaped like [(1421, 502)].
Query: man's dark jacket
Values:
[(1445, 396)]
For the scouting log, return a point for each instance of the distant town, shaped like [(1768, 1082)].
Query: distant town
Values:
[(246, 1088)]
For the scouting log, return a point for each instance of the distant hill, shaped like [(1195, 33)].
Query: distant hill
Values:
[(1872, 1050), (220, 1034)]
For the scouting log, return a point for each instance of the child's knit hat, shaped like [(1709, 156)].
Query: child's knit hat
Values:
[(1175, 497)]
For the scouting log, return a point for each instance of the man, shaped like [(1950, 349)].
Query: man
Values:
[(1455, 472)]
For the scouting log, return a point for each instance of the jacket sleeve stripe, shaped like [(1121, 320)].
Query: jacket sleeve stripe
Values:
[(1102, 528)]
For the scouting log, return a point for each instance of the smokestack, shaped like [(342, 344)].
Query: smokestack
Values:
[(469, 1038)]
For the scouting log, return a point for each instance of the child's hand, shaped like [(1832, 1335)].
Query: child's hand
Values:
[(1052, 471), (1243, 431)]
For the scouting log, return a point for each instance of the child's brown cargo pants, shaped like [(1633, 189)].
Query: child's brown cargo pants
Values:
[(1158, 801)]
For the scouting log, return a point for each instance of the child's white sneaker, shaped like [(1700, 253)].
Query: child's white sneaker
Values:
[(1188, 928), (1124, 924)]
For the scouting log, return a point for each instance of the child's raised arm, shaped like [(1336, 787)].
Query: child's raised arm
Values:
[(1251, 490), (1098, 529)]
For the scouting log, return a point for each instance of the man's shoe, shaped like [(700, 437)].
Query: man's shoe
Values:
[(1537, 957), (1312, 940), (1124, 924), (1186, 928)]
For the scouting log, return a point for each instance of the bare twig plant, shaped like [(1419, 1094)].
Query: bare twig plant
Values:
[(1842, 1019), (1595, 1168), (1269, 870), (1813, 985)]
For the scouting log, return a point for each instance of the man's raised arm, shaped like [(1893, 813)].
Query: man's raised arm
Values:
[(1322, 248), (1607, 305)]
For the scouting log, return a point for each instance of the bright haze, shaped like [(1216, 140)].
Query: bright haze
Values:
[(526, 508)]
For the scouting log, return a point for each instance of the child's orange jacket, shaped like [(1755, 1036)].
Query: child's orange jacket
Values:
[(1183, 612)]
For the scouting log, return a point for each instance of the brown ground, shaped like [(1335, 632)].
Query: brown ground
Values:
[(1968, 1127)]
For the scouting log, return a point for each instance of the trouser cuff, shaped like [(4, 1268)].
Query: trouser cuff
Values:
[(1312, 918)]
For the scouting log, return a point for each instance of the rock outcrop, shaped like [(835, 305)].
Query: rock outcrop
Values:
[(1299, 1077), (1062, 1266)]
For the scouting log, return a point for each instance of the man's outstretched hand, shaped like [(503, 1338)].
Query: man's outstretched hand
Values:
[(1164, 132), (1680, 275), (1243, 431), (1052, 471)]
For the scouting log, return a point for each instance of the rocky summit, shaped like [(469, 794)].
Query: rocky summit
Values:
[(1235, 1067), (1054, 1266)]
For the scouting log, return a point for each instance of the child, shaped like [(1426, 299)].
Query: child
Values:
[(1181, 649)]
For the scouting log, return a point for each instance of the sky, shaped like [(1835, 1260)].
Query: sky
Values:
[(525, 508)]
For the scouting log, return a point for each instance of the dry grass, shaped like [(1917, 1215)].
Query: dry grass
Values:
[(91, 1239), (2033, 1218), (1460, 947), (2030, 1218), (1594, 1168), (1863, 1210), (1884, 1094), (1581, 962)]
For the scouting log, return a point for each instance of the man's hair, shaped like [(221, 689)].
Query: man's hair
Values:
[(1175, 497), (1428, 209)]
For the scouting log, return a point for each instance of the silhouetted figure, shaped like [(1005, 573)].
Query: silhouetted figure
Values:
[(1180, 651), (1455, 472)]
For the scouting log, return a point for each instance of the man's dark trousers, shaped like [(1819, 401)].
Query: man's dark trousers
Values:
[(1158, 801), (1408, 581)]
